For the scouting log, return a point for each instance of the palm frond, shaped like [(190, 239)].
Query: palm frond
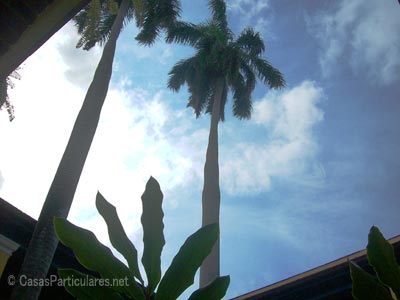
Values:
[(212, 32), (231, 62), (240, 100), (218, 10), (251, 42), (111, 6), (242, 105), (95, 21), (223, 101), (4, 98), (267, 73), (191, 71), (250, 77), (184, 33), (138, 11), (89, 20), (149, 31), (168, 11), (180, 73), (80, 20), (104, 28), (209, 37), (199, 89), (157, 15), (10, 109)]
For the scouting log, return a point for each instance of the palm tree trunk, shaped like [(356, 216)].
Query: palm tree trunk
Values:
[(44, 242), (209, 270)]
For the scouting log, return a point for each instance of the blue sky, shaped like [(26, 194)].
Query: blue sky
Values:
[(302, 181)]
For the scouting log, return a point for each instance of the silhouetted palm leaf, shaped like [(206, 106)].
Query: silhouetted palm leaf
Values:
[(152, 16)]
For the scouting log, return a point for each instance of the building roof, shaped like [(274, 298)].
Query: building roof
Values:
[(18, 227), (328, 282), (15, 17), (25, 25)]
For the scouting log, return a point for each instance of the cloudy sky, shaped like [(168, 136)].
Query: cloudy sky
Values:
[(301, 182)]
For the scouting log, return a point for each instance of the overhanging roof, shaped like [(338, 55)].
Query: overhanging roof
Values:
[(25, 25), (327, 282), (16, 229)]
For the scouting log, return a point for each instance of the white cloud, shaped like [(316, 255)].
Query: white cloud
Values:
[(249, 10), (368, 32), (264, 111), (160, 50), (79, 64), (251, 7), (288, 151)]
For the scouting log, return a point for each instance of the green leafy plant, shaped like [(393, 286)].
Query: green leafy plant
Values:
[(119, 281), (386, 285)]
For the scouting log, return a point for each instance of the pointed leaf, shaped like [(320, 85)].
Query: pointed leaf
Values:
[(138, 10), (180, 274), (86, 287), (381, 256), (118, 237), (218, 9), (153, 236), (365, 286), (95, 256), (216, 290)]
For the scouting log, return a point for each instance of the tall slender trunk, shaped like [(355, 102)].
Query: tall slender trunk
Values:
[(44, 242), (209, 270)]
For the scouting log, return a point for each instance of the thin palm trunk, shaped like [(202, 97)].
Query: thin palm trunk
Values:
[(209, 270), (59, 198)]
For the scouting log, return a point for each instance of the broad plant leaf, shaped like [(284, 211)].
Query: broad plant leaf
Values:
[(366, 286), (80, 285), (153, 236), (180, 274), (117, 235), (381, 256), (214, 291), (95, 256)]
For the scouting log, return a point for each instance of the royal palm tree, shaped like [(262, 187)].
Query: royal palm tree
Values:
[(101, 22), (221, 63)]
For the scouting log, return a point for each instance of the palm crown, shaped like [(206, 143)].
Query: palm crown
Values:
[(95, 21), (219, 55)]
